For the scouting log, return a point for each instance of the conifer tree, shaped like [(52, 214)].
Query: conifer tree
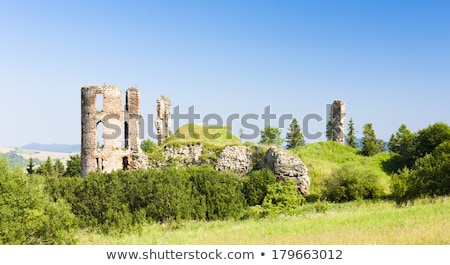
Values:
[(370, 145), (294, 137), (30, 166), (351, 138)]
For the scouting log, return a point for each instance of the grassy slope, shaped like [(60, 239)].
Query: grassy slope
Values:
[(323, 157), (353, 223), (214, 136)]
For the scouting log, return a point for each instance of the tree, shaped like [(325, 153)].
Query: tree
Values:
[(429, 138), (73, 166), (294, 137), (271, 135), (30, 166), (28, 214), (149, 146), (402, 143), (370, 145), (381, 146), (351, 138), (46, 168), (59, 168)]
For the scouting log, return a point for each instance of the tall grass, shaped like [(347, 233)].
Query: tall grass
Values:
[(353, 223)]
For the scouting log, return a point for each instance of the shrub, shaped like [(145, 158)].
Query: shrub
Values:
[(282, 197), (170, 195), (217, 195), (430, 177), (255, 185), (321, 206), (353, 182), (28, 215)]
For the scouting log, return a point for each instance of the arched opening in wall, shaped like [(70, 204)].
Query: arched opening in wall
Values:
[(99, 132), (99, 164), (125, 162), (126, 135), (99, 102)]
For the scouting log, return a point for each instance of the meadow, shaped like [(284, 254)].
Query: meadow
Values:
[(427, 222)]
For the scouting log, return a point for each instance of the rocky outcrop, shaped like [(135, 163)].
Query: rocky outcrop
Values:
[(235, 158), (287, 166), (186, 154)]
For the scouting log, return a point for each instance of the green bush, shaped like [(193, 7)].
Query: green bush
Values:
[(216, 195), (28, 215), (353, 182), (321, 206), (399, 186), (170, 195), (429, 177), (255, 185), (282, 197)]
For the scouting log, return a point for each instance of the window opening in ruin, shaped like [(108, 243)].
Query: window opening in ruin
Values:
[(100, 139), (126, 135), (99, 102), (125, 163), (99, 164)]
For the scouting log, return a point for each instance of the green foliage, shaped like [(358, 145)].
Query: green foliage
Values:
[(219, 193), (294, 136), (429, 138), (219, 136), (282, 197), (46, 169), (30, 166), (430, 176), (353, 182), (370, 145), (59, 168), (399, 186), (351, 138), (170, 195), (28, 215), (73, 168), (402, 143), (154, 153), (321, 206), (271, 135), (255, 185)]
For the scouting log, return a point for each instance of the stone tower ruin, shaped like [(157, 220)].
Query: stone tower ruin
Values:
[(162, 122), (337, 119), (110, 134)]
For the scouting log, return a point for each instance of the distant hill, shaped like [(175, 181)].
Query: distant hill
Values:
[(17, 160), (58, 148)]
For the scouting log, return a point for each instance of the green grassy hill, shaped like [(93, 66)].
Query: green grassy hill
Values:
[(215, 136), (323, 158)]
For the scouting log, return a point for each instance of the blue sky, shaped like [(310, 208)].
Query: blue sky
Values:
[(388, 60)]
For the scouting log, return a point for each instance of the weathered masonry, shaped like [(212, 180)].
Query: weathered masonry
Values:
[(162, 122), (338, 120), (110, 134)]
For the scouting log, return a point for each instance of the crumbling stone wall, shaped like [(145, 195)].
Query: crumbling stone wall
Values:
[(238, 159), (162, 122), (121, 145), (337, 116)]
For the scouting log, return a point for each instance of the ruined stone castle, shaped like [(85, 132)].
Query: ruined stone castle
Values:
[(104, 118), (110, 138)]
